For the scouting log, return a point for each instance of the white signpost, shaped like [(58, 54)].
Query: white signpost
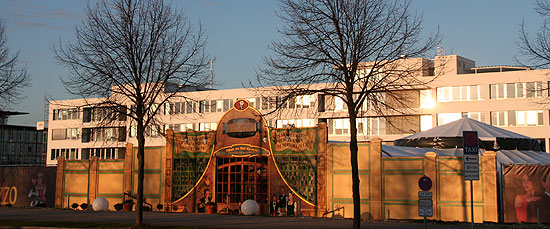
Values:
[(425, 202), (470, 147)]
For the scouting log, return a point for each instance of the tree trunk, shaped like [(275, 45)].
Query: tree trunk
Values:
[(354, 167), (141, 164)]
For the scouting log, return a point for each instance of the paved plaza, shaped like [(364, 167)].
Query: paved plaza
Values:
[(214, 221)]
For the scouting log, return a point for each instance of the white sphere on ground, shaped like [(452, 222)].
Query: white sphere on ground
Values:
[(100, 204), (249, 207)]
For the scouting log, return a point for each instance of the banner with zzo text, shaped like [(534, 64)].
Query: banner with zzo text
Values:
[(27, 186)]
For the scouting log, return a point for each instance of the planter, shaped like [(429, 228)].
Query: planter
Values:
[(127, 207), (210, 209)]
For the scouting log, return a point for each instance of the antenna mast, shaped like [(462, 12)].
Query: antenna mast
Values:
[(211, 72)]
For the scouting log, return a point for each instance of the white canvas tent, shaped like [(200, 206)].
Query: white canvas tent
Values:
[(503, 156), (450, 136)]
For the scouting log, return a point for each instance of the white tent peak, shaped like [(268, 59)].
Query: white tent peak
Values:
[(485, 132)]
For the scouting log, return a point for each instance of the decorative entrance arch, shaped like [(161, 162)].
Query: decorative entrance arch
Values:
[(243, 159)]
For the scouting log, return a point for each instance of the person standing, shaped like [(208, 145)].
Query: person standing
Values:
[(274, 206), (291, 205), (283, 198)]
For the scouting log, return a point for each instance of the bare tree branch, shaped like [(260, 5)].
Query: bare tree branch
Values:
[(13, 78), (136, 54), (351, 49)]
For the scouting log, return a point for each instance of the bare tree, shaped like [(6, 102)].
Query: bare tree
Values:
[(12, 77), (535, 51), (352, 49), (138, 54)]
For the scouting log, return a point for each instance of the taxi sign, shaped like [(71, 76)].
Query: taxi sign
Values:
[(470, 142)]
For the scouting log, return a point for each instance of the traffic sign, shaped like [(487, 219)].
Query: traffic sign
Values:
[(425, 211), (470, 143), (425, 207), (471, 167), (425, 195), (425, 183), (471, 158), (471, 175), (425, 203)]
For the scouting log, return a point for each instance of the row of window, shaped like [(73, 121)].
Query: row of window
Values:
[(517, 118), (103, 153), (21, 135), (413, 124), (86, 153), (68, 153), (460, 93), (62, 134), (295, 123), (365, 126), (103, 114), (104, 134), (19, 148), (65, 114), (329, 103), (206, 106), (516, 90), (497, 91)]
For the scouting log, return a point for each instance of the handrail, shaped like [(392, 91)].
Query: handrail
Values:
[(129, 194), (334, 210)]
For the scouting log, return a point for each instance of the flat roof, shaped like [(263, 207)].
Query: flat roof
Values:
[(499, 68)]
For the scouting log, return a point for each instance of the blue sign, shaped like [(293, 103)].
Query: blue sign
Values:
[(470, 142)]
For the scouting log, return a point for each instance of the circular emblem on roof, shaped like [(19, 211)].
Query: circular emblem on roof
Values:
[(241, 104)]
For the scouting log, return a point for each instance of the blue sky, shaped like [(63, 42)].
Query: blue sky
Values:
[(239, 32)]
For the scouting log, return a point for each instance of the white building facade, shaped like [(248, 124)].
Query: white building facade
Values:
[(513, 98)]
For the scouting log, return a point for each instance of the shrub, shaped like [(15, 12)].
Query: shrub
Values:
[(84, 206), (129, 202), (74, 206), (118, 206)]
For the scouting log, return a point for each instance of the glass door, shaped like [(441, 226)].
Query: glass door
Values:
[(241, 178)]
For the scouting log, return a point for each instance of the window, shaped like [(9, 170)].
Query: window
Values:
[(516, 90), (371, 126), (517, 118), (102, 153), (295, 123), (402, 124), (252, 102), (444, 118), (426, 99), (460, 93), (426, 122), (67, 153), (65, 114), (339, 104), (478, 116), (341, 126), (207, 126), (304, 101)]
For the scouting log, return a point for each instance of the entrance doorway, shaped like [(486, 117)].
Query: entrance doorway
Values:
[(241, 178)]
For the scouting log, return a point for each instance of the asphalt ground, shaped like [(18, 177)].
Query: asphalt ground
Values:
[(217, 221)]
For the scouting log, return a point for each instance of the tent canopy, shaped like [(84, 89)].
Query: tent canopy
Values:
[(503, 156), (450, 136)]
